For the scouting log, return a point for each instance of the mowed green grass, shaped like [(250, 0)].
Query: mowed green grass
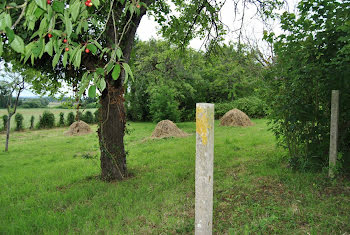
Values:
[(47, 186), (27, 114)]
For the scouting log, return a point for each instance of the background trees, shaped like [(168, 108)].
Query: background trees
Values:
[(170, 82)]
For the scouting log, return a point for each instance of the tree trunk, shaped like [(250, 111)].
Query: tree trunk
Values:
[(112, 111), (111, 132), (8, 133)]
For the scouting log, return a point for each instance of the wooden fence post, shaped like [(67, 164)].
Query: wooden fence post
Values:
[(333, 146), (204, 168)]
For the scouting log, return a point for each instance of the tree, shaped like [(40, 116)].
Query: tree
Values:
[(90, 45), (312, 58), (14, 84)]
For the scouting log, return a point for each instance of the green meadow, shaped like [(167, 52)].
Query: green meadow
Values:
[(49, 184)]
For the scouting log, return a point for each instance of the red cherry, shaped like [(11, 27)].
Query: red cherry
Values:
[(90, 4), (67, 49), (87, 50), (49, 2), (65, 40), (86, 4), (88, 1), (138, 5), (49, 35)]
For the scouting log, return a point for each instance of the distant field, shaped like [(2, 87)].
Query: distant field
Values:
[(27, 113)]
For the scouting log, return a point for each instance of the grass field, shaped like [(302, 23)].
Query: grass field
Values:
[(49, 184), (27, 114)]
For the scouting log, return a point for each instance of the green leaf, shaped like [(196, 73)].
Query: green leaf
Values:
[(64, 60), (102, 84), (37, 48), (56, 32), (17, 44), (69, 28), (10, 34), (73, 53), (55, 59), (49, 48), (109, 67), (43, 27), (77, 60), (96, 3), (28, 51), (98, 45), (126, 77), (41, 3), (92, 48), (58, 6), (75, 9), (116, 72), (128, 70), (100, 71), (92, 91), (5, 21), (1, 47), (38, 12), (119, 53)]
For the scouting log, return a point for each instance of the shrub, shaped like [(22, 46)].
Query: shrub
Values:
[(32, 122), (70, 118), (4, 121), (88, 117), (61, 122), (47, 120), (19, 121), (97, 116), (253, 106), (91, 105)]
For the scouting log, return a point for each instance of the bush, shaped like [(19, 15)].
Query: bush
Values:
[(32, 122), (88, 117), (4, 121), (91, 106), (47, 120), (97, 116), (253, 106), (61, 122), (70, 118), (163, 104), (19, 121)]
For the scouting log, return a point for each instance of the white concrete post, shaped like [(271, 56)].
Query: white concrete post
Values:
[(204, 168), (333, 146)]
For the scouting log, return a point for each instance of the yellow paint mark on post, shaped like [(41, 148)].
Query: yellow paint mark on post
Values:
[(202, 124)]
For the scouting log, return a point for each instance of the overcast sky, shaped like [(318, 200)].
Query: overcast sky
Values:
[(253, 27)]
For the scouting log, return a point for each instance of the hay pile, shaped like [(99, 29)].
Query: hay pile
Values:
[(78, 128), (167, 128), (235, 117)]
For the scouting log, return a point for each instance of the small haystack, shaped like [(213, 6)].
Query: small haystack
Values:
[(78, 128), (235, 117), (167, 128)]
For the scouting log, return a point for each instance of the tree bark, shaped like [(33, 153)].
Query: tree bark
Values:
[(111, 132), (8, 133)]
